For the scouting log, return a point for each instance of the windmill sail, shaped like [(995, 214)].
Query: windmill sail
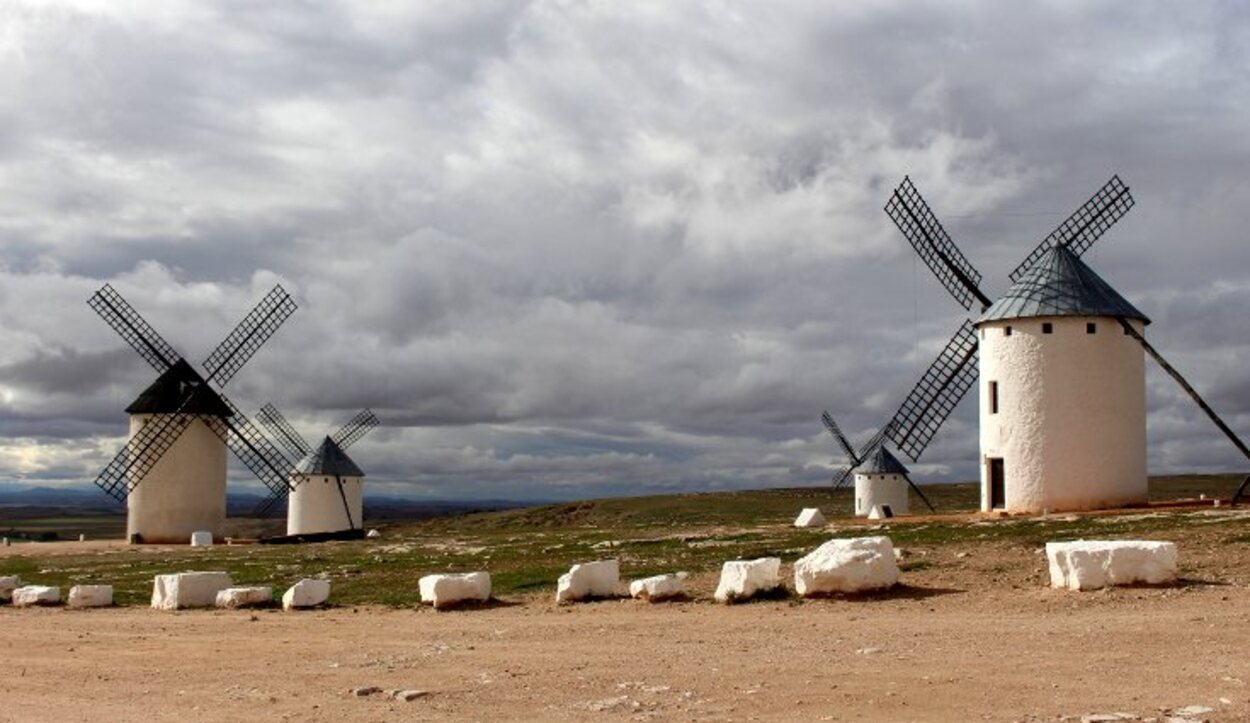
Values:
[(133, 328), (251, 333), (911, 214), (1085, 226)]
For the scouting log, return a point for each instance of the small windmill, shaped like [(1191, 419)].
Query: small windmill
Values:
[(1062, 406), (181, 425), (326, 490), (880, 479)]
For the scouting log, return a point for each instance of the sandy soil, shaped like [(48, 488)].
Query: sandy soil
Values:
[(973, 635)]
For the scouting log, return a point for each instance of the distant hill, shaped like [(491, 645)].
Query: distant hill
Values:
[(22, 501)]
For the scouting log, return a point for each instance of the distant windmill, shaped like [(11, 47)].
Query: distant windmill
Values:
[(880, 479), (326, 491), (1062, 405), (181, 425)]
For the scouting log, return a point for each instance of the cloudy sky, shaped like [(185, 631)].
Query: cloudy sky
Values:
[(570, 249)]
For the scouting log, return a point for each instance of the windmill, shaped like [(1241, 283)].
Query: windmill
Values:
[(326, 490), (181, 425), (1062, 400), (880, 478)]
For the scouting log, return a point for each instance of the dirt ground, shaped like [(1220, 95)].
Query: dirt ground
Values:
[(973, 634)]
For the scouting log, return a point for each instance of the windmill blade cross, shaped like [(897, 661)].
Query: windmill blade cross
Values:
[(1086, 225), (250, 335), (283, 431), (832, 426), (141, 453), (358, 427), (840, 476), (911, 214), (133, 328), (936, 395)]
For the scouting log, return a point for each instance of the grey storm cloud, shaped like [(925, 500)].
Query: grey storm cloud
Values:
[(568, 249)]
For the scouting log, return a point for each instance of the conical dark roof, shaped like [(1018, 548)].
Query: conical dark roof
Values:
[(1060, 284), (179, 389), (329, 459), (881, 462)]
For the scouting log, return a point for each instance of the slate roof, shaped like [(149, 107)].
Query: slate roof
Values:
[(1060, 284), (881, 462), (179, 389), (328, 459)]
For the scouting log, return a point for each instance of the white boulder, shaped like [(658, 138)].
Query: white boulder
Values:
[(446, 590), (373, 534), (1094, 564), (307, 593), (36, 595), (855, 565), (201, 538), (243, 597), (188, 590), (810, 517), (589, 580), (744, 579), (90, 596), (658, 588), (8, 584)]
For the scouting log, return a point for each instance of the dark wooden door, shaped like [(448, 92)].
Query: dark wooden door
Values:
[(998, 495)]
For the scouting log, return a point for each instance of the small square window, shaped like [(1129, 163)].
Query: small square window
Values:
[(1091, 327), (1048, 328), (1007, 331)]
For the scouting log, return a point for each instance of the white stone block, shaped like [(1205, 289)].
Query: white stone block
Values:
[(847, 566), (810, 517), (90, 596), (658, 588), (444, 591), (589, 580), (743, 579), (8, 584), (1093, 564), (188, 590), (36, 595), (373, 534), (243, 597), (307, 593), (201, 538)]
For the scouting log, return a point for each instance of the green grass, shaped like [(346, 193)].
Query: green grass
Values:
[(526, 550)]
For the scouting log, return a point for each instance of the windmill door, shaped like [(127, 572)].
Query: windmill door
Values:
[(998, 494)]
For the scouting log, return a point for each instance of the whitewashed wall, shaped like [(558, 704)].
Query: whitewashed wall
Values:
[(185, 490), (880, 489), (1071, 421), (315, 505)]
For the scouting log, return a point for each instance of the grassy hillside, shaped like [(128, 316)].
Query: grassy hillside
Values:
[(526, 550)]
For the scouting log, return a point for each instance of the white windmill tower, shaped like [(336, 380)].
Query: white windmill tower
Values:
[(1063, 393), (180, 426), (1063, 417), (881, 480), (327, 487), (881, 483)]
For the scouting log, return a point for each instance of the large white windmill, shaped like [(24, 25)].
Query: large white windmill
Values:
[(1063, 414), (182, 424)]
